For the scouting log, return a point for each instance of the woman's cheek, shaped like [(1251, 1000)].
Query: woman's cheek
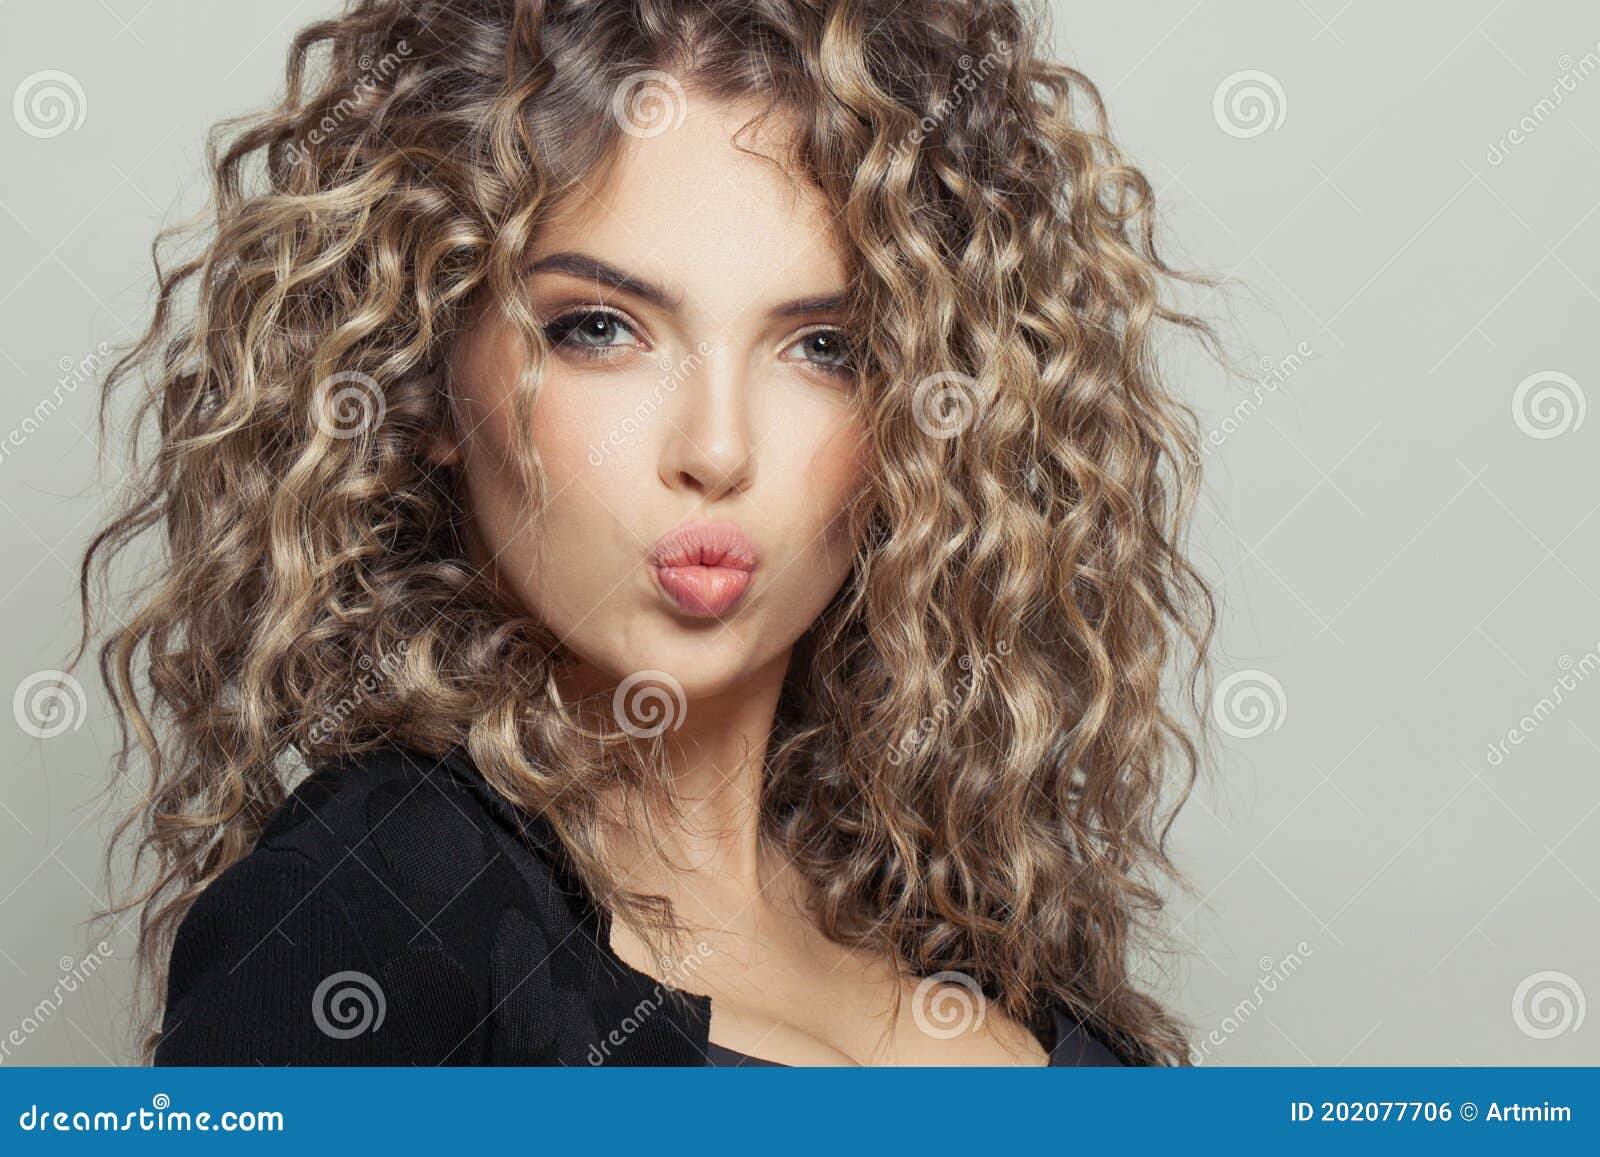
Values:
[(559, 434), (840, 466), (591, 432)]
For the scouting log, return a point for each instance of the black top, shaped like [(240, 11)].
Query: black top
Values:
[(1074, 1048), (397, 910)]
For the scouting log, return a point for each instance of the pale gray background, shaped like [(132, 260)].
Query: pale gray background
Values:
[(1398, 554)]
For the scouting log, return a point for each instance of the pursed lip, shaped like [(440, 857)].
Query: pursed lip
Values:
[(701, 543), (704, 567)]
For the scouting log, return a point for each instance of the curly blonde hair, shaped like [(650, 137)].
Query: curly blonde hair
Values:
[(1023, 589)]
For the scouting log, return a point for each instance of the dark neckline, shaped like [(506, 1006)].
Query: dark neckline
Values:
[(734, 1059), (539, 832), (542, 835), (603, 916)]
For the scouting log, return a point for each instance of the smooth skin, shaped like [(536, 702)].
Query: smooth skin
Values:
[(708, 382)]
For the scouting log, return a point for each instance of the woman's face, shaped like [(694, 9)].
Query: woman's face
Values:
[(693, 303)]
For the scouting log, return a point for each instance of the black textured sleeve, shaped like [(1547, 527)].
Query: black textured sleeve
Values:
[(269, 968)]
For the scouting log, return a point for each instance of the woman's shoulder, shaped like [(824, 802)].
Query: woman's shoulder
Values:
[(393, 811), (366, 925), (1077, 1044)]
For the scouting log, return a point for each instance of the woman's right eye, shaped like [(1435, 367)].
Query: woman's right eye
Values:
[(588, 331)]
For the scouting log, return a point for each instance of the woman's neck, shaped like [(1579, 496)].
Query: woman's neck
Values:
[(716, 758)]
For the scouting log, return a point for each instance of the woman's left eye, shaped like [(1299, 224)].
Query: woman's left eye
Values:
[(827, 349), (588, 331)]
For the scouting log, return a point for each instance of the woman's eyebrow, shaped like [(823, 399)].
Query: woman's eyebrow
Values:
[(823, 303), (593, 269)]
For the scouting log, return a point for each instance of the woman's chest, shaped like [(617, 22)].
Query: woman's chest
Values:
[(785, 993)]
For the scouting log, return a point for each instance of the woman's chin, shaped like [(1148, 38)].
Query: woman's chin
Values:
[(690, 665)]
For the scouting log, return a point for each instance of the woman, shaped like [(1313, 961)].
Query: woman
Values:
[(690, 481)]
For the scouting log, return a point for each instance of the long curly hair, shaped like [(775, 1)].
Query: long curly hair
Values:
[(973, 750)]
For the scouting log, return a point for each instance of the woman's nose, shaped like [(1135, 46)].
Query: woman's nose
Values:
[(709, 447)]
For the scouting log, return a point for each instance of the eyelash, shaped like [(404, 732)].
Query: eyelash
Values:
[(559, 332)]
